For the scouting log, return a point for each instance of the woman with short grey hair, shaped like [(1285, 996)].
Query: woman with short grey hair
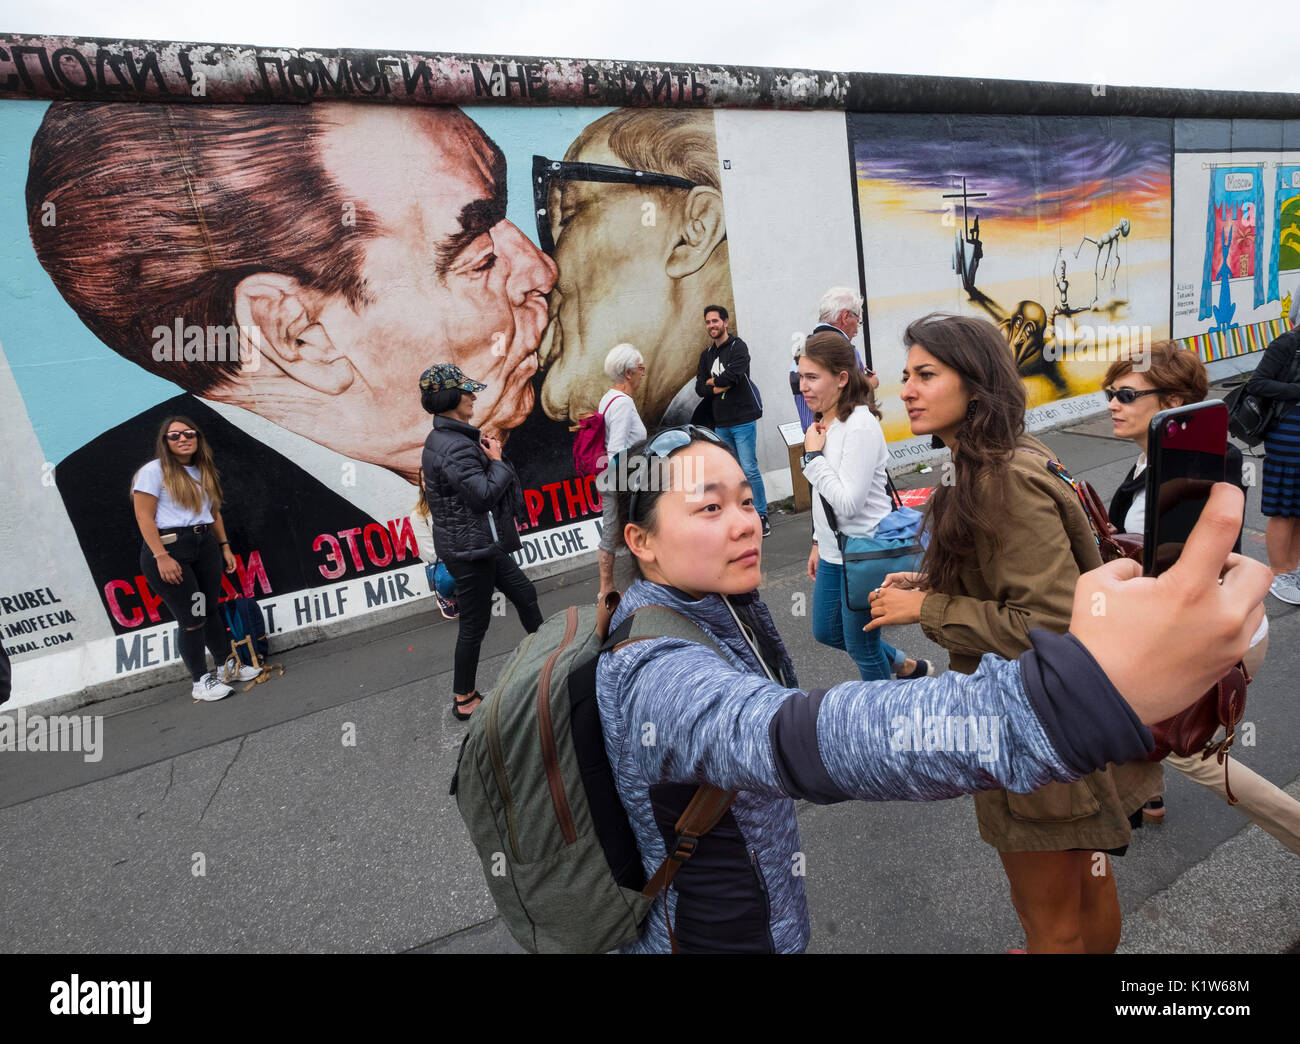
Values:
[(625, 366)]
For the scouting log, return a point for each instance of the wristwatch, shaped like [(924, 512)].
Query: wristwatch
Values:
[(807, 458)]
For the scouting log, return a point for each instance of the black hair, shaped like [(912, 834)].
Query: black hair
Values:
[(722, 312), (648, 501), (440, 401)]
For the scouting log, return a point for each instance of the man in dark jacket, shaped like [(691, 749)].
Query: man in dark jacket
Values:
[(722, 381), (474, 498)]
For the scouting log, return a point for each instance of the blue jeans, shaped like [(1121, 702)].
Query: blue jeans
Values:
[(896, 657), (743, 439), (840, 627)]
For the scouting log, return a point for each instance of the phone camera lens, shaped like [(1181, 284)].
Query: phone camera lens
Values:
[(1170, 429)]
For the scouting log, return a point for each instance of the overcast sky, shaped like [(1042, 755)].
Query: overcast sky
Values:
[(1243, 45)]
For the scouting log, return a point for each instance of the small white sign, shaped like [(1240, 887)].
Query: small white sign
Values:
[(792, 433), (1239, 181)]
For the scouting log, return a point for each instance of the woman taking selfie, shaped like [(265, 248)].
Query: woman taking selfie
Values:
[(732, 715), (1173, 377), (473, 498), (1008, 541), (177, 498), (845, 460)]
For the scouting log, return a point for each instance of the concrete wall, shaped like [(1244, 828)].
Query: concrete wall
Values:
[(281, 272)]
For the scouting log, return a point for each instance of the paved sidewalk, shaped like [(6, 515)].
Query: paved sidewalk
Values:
[(253, 824)]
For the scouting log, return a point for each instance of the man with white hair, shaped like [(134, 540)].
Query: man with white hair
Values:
[(625, 366), (840, 309)]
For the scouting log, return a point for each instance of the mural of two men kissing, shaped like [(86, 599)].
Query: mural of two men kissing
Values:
[(291, 270)]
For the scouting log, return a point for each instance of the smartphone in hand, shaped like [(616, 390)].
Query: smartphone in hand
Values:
[(1186, 451)]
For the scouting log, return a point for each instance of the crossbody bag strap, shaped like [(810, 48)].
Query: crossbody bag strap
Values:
[(893, 490)]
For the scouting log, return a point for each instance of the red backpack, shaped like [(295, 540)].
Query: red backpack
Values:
[(589, 456)]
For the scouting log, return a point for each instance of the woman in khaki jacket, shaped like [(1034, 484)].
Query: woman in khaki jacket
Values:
[(1008, 540)]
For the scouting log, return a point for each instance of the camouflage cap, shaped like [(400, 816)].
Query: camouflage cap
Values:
[(442, 376)]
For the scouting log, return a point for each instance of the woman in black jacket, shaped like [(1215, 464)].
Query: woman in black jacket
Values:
[(1274, 378), (474, 497)]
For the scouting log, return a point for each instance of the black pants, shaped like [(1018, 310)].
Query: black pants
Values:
[(475, 582), (193, 602)]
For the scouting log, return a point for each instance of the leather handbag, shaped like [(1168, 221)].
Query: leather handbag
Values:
[(1252, 418), (1191, 732)]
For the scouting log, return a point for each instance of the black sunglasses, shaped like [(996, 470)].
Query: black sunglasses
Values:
[(663, 445), (1128, 396), (545, 171), (187, 433)]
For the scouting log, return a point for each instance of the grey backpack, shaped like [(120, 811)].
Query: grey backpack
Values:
[(537, 793)]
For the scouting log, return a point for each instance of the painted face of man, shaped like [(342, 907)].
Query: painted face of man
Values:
[(613, 245), (448, 278)]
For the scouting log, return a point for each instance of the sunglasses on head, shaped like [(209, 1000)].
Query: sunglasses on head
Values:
[(187, 433), (663, 445), (1128, 396)]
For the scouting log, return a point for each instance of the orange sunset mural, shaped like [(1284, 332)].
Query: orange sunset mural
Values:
[(1057, 229)]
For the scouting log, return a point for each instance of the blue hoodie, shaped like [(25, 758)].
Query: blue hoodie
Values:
[(675, 716)]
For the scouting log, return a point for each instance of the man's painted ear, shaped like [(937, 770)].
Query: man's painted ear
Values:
[(274, 315), (703, 227)]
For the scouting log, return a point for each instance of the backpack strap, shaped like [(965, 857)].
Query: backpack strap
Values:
[(611, 402), (709, 803)]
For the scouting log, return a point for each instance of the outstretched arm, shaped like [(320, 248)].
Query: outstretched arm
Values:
[(1064, 709)]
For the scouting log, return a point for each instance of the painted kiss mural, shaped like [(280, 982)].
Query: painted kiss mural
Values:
[(1055, 228), (282, 274)]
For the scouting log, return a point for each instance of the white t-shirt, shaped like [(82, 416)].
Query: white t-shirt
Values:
[(149, 479), (623, 425), (850, 474)]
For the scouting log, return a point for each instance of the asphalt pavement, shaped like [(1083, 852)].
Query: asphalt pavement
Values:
[(312, 813)]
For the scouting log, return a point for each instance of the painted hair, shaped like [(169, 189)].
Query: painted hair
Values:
[(682, 143), (162, 210)]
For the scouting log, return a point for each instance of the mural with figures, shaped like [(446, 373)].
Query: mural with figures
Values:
[(280, 276), (242, 238), (1054, 228), (1237, 266)]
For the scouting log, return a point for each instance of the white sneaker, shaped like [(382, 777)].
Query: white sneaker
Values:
[(1286, 588), (247, 673), (208, 689)]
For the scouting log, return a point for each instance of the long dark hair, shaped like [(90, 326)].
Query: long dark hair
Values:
[(967, 509), (834, 353)]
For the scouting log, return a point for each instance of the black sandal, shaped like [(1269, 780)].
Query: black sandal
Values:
[(459, 703)]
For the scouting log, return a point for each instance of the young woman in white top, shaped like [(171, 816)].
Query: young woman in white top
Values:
[(624, 366), (844, 461), (177, 499)]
